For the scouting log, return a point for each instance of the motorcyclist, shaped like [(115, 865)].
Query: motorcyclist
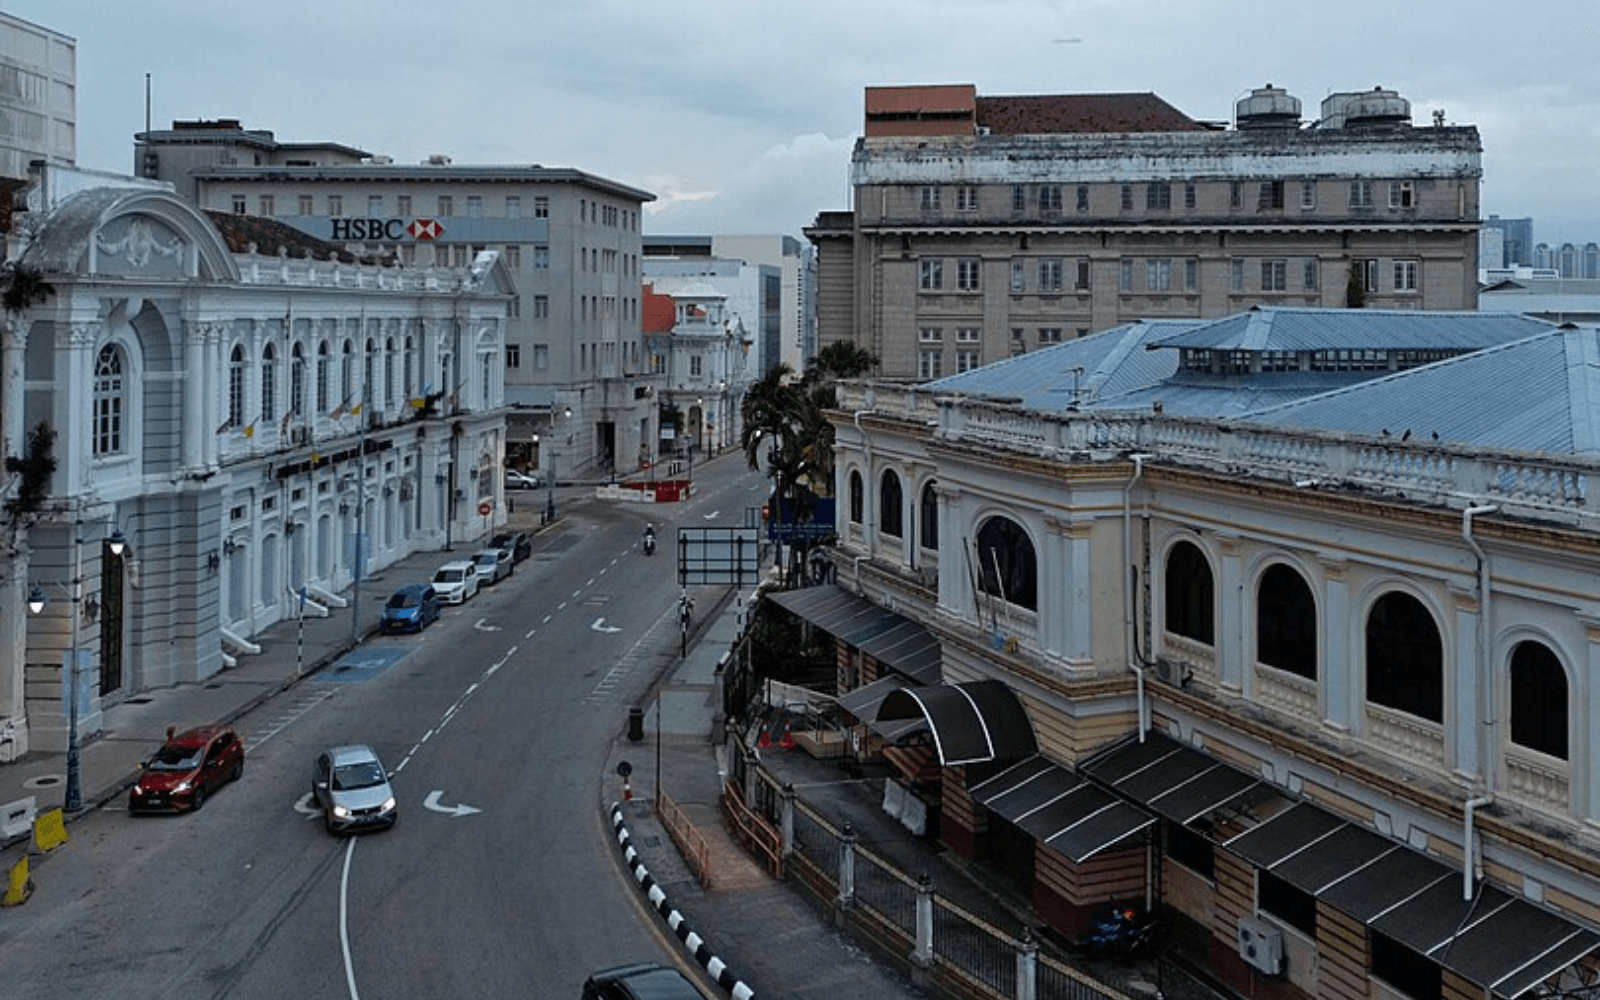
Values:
[(649, 539)]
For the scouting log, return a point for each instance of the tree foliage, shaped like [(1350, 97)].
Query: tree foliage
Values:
[(34, 467), (22, 287)]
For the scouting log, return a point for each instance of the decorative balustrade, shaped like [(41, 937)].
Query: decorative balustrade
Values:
[(1289, 694), (1199, 657), (1405, 737), (1543, 781)]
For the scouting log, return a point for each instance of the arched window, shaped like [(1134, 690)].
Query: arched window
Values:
[(110, 400), (1538, 700), (236, 388), (368, 393), (269, 383), (323, 376), (297, 380), (1405, 657), (408, 369), (930, 517), (347, 375), (857, 501), (388, 374), (1191, 594), (1009, 570), (1286, 622), (890, 503)]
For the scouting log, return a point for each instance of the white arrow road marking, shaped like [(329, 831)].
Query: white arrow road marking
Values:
[(711, 516), (305, 807), (601, 626), (432, 802), (481, 627)]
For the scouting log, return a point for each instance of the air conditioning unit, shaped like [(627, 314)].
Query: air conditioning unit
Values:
[(1261, 945)]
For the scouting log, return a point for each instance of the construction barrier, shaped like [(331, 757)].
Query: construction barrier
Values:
[(19, 886), (50, 831)]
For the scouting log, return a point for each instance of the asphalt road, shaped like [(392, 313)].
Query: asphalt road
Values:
[(500, 878)]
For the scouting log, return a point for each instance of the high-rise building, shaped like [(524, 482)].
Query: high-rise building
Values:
[(990, 226), (38, 96), (1515, 241)]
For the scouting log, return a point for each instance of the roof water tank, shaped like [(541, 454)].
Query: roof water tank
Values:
[(1268, 107), (1375, 108)]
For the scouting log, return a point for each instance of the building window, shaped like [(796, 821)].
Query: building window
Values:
[(1083, 274), (1018, 276), (1158, 196), (1236, 275), (1158, 275), (389, 398), (930, 364), (541, 207), (1274, 276), (1286, 622), (513, 206), (1405, 657), (1311, 275), (447, 206), (1236, 195), (408, 372), (269, 383), (967, 335), (1125, 275), (696, 365), (1360, 194), (513, 252), (890, 502), (347, 374), (929, 528), (1007, 570), (110, 400), (239, 206), (967, 198), (1366, 273), (1189, 195), (930, 334), (269, 206), (541, 307), (402, 205), (930, 198), (1050, 335), (541, 357), (1405, 275), (335, 205), (307, 204), (1271, 195), (297, 380), (1050, 197), (1191, 274), (1308, 194), (541, 257), (967, 274), (1190, 594), (1538, 700), (857, 498), (1127, 197), (513, 355), (375, 206), (1402, 194), (474, 206), (1050, 274), (966, 361), (932, 273), (323, 376), (1083, 197), (236, 388), (1019, 198)]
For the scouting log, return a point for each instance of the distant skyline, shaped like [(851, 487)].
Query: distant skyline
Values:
[(740, 117)]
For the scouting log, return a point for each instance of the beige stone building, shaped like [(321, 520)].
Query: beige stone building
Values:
[(985, 227)]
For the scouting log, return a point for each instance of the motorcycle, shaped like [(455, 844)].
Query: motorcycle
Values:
[(649, 543)]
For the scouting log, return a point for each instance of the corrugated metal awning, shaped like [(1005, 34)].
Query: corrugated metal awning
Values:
[(863, 703), (892, 639), (1060, 809), (972, 723)]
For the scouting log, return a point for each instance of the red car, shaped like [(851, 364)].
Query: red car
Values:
[(188, 767)]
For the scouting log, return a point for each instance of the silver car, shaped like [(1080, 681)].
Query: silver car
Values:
[(494, 565), (352, 787)]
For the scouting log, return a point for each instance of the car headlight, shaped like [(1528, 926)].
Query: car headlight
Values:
[(184, 786), (341, 812), (388, 804)]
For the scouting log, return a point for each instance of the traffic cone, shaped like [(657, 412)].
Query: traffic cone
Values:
[(787, 742), (627, 790), (765, 739)]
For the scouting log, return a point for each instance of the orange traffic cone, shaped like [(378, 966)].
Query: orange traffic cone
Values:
[(627, 790), (787, 742), (765, 739)]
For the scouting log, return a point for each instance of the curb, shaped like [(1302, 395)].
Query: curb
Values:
[(714, 966)]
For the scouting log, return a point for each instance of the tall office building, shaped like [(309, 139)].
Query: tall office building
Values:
[(38, 96)]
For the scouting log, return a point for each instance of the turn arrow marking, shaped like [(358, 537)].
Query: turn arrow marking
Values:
[(432, 802), (601, 626)]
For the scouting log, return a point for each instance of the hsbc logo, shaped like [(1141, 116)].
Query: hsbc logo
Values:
[(386, 229)]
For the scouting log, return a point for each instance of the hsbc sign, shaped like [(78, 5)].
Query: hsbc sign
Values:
[(386, 229)]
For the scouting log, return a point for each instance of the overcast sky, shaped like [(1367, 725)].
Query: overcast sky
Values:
[(739, 115)]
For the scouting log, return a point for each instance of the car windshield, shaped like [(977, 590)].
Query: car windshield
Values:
[(488, 559), (501, 541), (365, 774), (447, 576), (404, 599), (171, 758)]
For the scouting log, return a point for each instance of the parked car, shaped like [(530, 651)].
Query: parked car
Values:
[(494, 565), (352, 788), (188, 768), (516, 479), (411, 609), (640, 981), (455, 582), (515, 542)]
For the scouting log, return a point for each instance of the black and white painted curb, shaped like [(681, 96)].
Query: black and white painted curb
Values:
[(713, 965)]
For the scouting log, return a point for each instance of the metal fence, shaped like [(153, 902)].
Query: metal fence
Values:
[(953, 951)]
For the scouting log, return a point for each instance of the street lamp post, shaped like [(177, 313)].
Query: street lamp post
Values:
[(550, 496), (73, 800)]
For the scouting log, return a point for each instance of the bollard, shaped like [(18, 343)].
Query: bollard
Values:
[(635, 724)]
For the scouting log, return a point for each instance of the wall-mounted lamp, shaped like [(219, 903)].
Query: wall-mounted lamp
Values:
[(36, 599), (118, 542), (230, 546), (290, 527), (213, 560)]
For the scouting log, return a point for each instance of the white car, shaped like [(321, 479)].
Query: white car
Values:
[(454, 582), (518, 480)]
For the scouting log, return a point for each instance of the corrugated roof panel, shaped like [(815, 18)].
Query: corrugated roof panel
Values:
[(1273, 328)]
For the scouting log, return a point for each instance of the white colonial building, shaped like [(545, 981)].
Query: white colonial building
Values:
[(1299, 609), (210, 418)]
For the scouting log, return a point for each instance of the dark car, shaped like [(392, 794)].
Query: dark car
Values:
[(188, 768), (640, 981), (515, 542), (351, 787), (411, 609)]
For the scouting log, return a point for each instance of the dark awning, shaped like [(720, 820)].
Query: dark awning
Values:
[(1177, 782), (892, 639), (864, 701), (972, 723), (1059, 809)]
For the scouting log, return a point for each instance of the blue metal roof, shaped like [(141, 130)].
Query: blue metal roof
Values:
[(1284, 329)]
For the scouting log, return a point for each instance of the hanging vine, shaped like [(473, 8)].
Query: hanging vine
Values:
[(34, 468)]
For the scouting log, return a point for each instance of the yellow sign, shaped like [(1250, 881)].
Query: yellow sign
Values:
[(20, 886), (49, 831)]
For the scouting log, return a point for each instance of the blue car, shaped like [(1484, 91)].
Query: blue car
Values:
[(411, 609)]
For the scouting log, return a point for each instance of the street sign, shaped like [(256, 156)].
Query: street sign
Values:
[(719, 555)]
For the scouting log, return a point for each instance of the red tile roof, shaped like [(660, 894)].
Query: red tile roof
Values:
[(1043, 115)]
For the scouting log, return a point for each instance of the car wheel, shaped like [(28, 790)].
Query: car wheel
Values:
[(238, 770), (327, 823), (198, 799)]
